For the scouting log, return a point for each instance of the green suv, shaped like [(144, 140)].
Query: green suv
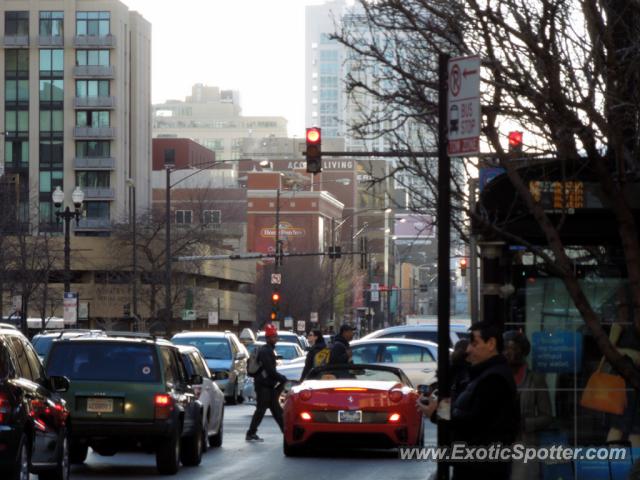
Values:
[(130, 393)]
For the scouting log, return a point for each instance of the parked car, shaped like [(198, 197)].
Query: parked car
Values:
[(130, 393), (428, 332), (283, 336), (33, 416), (208, 393), (226, 357), (42, 341)]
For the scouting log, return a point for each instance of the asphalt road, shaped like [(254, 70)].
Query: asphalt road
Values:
[(238, 459)]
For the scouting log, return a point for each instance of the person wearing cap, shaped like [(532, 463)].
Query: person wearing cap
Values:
[(340, 349), (268, 384)]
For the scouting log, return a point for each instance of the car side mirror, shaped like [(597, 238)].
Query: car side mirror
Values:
[(59, 384), (195, 379), (241, 356), (279, 357)]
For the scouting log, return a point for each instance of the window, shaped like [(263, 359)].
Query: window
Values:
[(92, 58), (34, 362), (93, 149), (16, 153), (97, 210), (16, 24), (93, 119), (365, 354), (169, 156), (93, 179), (51, 90), (16, 63), (22, 363), (51, 154), (183, 217), (211, 217), (16, 121), (171, 374), (51, 121), (51, 24), (16, 91), (51, 62), (404, 354), (328, 55), (92, 88), (92, 23), (50, 180)]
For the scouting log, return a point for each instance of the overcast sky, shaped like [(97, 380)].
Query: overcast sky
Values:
[(254, 46)]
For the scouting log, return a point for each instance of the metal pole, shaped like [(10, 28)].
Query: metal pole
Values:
[(134, 259), (473, 258), (444, 282), (332, 289), (167, 249), (67, 216), (277, 245)]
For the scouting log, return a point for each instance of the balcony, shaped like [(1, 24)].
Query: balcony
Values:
[(93, 71), (94, 102), (94, 132), (94, 163), (98, 193), (94, 224), (97, 41), (50, 40), (16, 41)]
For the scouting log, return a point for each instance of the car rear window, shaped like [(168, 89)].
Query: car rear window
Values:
[(42, 345), (104, 361), (282, 338), (210, 348)]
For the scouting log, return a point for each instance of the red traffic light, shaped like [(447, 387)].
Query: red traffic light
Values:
[(515, 141), (275, 297), (463, 263), (313, 135)]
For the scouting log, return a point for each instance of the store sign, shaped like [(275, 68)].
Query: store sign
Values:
[(286, 230), (556, 352)]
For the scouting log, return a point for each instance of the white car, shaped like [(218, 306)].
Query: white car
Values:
[(427, 331), (283, 336), (208, 393)]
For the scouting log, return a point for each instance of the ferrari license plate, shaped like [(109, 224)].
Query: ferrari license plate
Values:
[(349, 416), (99, 405)]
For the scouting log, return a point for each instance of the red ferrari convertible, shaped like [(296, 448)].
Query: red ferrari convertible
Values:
[(368, 406)]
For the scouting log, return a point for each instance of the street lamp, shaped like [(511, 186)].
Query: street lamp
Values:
[(67, 215)]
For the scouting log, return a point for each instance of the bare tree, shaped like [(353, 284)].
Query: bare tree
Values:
[(562, 71)]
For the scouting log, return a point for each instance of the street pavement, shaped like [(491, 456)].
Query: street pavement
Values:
[(238, 459)]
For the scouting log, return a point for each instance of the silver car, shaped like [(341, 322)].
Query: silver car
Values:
[(427, 331)]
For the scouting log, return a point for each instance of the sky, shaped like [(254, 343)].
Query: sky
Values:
[(253, 46)]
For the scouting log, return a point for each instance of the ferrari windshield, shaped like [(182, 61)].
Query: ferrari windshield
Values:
[(342, 372)]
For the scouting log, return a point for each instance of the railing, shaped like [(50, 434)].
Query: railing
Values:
[(94, 102), (94, 132), (16, 41), (94, 224), (98, 193), (50, 40), (83, 41), (98, 71), (94, 163)]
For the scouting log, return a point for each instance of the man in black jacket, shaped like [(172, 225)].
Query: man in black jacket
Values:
[(316, 340), (486, 411), (268, 385), (340, 350)]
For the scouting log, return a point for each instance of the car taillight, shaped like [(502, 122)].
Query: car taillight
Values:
[(305, 395), (395, 395), (350, 389), (163, 406), (5, 407), (306, 416), (394, 418)]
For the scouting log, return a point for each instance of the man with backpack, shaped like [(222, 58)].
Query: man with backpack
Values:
[(268, 383), (319, 354)]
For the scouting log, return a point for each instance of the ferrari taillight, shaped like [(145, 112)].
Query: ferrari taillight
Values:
[(394, 418), (350, 389), (395, 395), (305, 395), (306, 416)]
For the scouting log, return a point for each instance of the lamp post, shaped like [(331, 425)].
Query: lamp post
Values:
[(134, 253), (67, 215)]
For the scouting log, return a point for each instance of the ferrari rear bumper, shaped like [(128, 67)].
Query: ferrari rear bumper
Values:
[(351, 435)]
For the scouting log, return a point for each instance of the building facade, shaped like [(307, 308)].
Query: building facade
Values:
[(212, 117), (76, 83)]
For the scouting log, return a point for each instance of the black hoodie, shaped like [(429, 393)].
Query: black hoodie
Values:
[(311, 355)]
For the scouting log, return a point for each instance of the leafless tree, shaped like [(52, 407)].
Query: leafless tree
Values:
[(564, 72)]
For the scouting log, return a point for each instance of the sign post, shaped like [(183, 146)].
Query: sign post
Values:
[(70, 308), (463, 106)]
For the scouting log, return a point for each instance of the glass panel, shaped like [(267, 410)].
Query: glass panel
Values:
[(81, 88), (81, 57), (92, 57), (81, 119), (24, 152), (104, 27), (45, 120), (103, 88), (23, 121), (23, 90), (57, 121), (92, 88), (57, 90), (57, 60), (23, 61), (104, 58), (45, 60), (10, 90), (81, 27), (45, 90), (45, 182), (8, 152)]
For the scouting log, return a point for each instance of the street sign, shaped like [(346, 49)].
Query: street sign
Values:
[(70, 308), (288, 322), (463, 106), (276, 279), (313, 317), (301, 325), (188, 315), (213, 318), (374, 293)]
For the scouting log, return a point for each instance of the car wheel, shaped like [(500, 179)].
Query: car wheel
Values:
[(216, 440), (168, 455), (20, 471), (233, 399), (291, 450), (63, 468), (77, 452), (191, 454)]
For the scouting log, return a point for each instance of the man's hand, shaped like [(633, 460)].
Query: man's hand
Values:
[(427, 409)]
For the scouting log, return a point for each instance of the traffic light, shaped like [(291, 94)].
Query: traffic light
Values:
[(335, 252), (515, 142), (314, 150), (364, 263), (275, 300), (463, 267)]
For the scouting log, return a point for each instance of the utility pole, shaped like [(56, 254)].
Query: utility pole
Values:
[(473, 257), (332, 261)]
